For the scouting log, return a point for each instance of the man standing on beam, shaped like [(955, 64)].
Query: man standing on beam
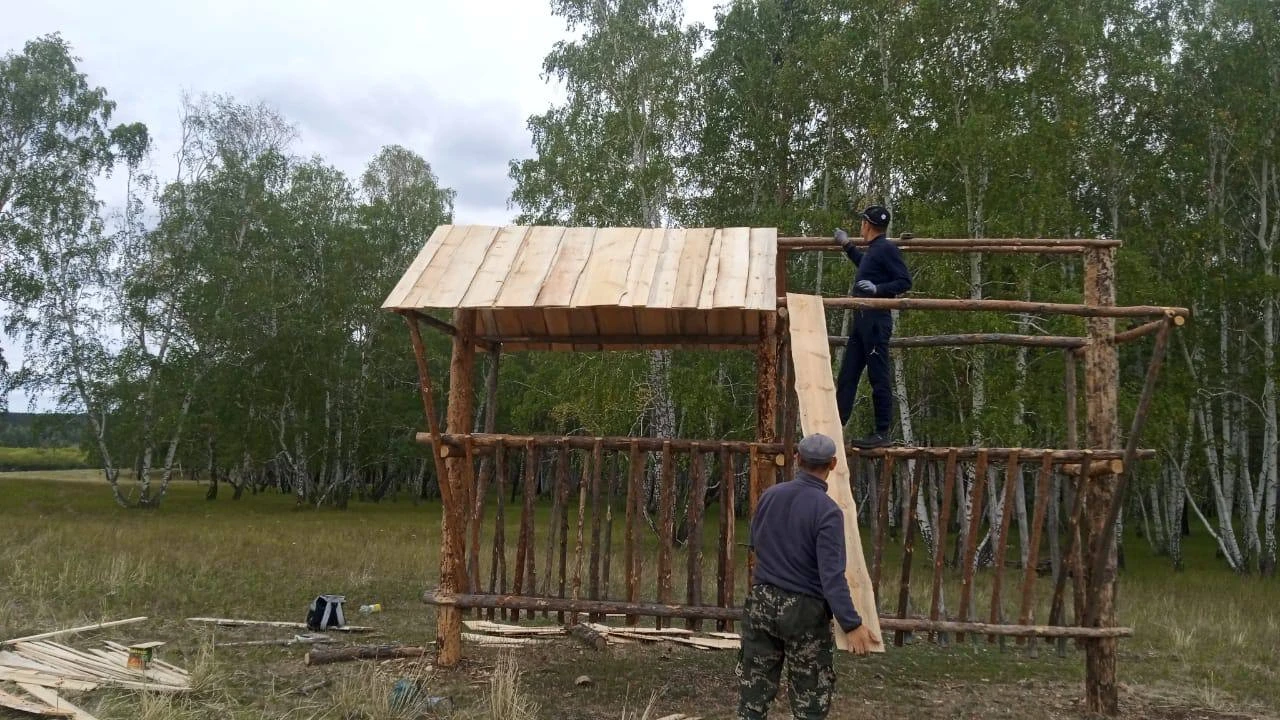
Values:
[(882, 274)]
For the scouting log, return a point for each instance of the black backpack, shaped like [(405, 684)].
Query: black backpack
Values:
[(325, 612)]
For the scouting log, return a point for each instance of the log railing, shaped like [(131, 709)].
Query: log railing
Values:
[(660, 494)]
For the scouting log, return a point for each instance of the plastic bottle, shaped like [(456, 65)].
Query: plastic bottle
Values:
[(371, 609)]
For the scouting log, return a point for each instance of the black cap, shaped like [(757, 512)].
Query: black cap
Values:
[(876, 215)]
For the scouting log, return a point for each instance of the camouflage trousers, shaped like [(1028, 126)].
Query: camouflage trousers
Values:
[(781, 626)]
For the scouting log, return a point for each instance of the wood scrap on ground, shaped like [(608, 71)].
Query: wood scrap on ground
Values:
[(56, 701), (53, 665), (494, 641), (498, 635), (71, 631), (305, 639), (324, 656), (13, 702), (512, 630), (232, 622), (588, 636)]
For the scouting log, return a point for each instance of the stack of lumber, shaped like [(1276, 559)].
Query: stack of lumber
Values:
[(493, 634), (498, 635), (40, 667)]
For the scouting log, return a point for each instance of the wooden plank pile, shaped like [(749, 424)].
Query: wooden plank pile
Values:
[(40, 668), (500, 635)]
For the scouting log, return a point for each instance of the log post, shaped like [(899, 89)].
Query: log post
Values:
[(453, 569), (1101, 379), (767, 393), (727, 557), (697, 506), (944, 527)]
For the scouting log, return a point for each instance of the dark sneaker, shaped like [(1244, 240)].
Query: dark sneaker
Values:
[(874, 440)]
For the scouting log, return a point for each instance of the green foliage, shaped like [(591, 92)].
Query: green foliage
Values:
[(41, 458)]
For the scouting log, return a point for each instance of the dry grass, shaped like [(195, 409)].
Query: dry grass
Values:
[(1206, 641)]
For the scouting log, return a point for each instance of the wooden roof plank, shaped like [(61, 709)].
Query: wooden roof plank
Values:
[(643, 267), (571, 259), (448, 277), (711, 271), (530, 268), (495, 267), (435, 269), (734, 268), (762, 277), (604, 280), (666, 271), (410, 278), (692, 267)]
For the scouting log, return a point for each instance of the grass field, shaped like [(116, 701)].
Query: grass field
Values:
[(39, 458), (1207, 642)]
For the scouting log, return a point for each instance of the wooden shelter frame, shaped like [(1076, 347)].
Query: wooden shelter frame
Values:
[(1100, 472)]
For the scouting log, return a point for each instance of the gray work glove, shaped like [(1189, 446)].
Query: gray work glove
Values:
[(842, 237), (867, 287)]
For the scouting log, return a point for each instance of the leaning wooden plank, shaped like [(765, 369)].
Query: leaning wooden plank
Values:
[(817, 405), (324, 656), (56, 701), (46, 680), (13, 702), (70, 631), (229, 622), (11, 659), (725, 635)]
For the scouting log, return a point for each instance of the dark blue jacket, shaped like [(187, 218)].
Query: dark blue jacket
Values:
[(798, 538), (882, 264)]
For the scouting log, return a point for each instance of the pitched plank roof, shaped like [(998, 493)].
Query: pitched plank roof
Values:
[(487, 267)]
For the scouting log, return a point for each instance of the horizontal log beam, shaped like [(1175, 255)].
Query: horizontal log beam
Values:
[(483, 443), (1053, 341), (1114, 466), (804, 243), (444, 327), (1018, 306), (706, 612)]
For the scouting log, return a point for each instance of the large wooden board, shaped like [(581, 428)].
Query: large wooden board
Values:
[(818, 414), (465, 262), (495, 267), (521, 288), (763, 272), (604, 280)]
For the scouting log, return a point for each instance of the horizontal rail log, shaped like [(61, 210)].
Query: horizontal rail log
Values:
[(1109, 467), (1053, 341), (1019, 306), (483, 443), (909, 624), (803, 243), (1140, 331)]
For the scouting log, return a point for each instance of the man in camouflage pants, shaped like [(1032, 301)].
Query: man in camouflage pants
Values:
[(798, 586)]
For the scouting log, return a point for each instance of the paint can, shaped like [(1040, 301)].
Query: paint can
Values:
[(140, 657)]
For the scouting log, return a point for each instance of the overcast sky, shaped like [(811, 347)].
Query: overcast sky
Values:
[(450, 79)]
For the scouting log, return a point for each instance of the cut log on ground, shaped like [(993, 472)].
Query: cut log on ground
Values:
[(588, 636), (324, 656)]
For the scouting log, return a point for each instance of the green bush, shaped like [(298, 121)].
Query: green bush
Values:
[(28, 458)]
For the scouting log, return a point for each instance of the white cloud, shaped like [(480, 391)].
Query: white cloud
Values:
[(454, 81)]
